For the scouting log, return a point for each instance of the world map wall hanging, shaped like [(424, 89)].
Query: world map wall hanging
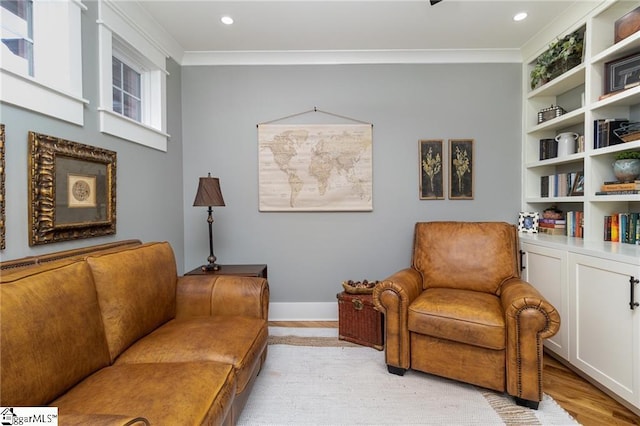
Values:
[(315, 167)]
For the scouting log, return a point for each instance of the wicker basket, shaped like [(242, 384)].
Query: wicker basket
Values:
[(365, 287)]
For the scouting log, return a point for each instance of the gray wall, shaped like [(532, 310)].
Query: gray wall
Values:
[(309, 254), (149, 182)]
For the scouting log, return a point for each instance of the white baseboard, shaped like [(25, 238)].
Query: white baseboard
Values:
[(303, 311)]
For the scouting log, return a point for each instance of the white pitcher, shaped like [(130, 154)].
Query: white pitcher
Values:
[(566, 143)]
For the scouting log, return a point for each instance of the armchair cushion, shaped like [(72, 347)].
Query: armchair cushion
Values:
[(463, 316), (476, 256)]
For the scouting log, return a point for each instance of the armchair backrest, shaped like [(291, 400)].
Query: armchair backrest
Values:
[(476, 256)]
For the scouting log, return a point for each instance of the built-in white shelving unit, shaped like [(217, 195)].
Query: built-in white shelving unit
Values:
[(592, 282)]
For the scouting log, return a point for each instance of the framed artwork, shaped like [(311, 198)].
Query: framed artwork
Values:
[(72, 190), (528, 222), (622, 73), (578, 185), (431, 169), (3, 242), (461, 169)]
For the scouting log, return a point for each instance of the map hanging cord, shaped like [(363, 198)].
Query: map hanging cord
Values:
[(315, 109)]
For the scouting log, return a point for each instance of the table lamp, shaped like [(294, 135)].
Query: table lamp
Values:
[(208, 195)]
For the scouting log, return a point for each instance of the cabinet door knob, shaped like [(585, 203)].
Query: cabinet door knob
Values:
[(522, 267), (632, 303)]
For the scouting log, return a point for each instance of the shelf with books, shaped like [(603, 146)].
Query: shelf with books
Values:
[(619, 188), (622, 228), (579, 92)]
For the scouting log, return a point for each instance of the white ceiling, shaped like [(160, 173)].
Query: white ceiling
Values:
[(331, 25)]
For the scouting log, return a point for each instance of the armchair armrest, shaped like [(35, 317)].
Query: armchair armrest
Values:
[(222, 295), (530, 318), (392, 297)]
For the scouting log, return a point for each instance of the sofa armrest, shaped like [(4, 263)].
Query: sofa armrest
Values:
[(222, 295), (392, 297), (530, 319)]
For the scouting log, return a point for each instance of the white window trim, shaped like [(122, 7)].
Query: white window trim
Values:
[(117, 34), (58, 96)]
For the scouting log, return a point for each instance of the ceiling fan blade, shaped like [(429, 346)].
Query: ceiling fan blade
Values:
[(434, 2)]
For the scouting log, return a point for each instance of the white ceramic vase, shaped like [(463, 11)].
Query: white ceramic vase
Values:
[(566, 143)]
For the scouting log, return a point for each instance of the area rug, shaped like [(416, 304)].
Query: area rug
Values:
[(312, 378)]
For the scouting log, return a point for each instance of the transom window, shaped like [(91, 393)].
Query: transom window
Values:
[(127, 90), (16, 19), (132, 76)]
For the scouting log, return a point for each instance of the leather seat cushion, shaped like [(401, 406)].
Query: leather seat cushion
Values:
[(465, 316), (238, 341), (164, 394)]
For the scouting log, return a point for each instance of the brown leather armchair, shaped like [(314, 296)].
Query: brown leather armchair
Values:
[(461, 310)]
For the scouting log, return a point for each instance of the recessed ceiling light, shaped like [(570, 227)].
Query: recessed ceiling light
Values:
[(227, 20), (520, 16)]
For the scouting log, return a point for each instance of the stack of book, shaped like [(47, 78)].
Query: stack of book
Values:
[(552, 226), (619, 188), (622, 228)]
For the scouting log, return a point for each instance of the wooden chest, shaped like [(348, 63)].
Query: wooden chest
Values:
[(358, 320)]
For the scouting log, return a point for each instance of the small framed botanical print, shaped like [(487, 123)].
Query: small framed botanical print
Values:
[(431, 169), (528, 222), (461, 169)]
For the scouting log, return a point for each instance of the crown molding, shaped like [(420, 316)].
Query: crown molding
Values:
[(339, 57)]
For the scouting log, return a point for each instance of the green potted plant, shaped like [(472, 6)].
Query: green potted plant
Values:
[(561, 55), (626, 168)]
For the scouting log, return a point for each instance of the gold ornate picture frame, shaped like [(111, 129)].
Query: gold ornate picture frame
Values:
[(461, 169), (72, 190), (431, 169), (3, 242)]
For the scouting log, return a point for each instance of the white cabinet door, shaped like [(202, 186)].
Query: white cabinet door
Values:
[(605, 336), (546, 270)]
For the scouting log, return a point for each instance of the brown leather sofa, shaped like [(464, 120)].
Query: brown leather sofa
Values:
[(112, 335), (461, 310)]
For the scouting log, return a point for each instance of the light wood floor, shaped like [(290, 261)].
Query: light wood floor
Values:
[(586, 403)]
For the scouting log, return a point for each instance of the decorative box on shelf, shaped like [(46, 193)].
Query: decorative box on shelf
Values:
[(546, 114), (359, 321), (627, 25)]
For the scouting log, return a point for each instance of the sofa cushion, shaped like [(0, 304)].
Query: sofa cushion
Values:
[(462, 316), (238, 341), (136, 291), (478, 256), (51, 332), (164, 394)]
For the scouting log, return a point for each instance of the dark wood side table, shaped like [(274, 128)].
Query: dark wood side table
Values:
[(240, 270)]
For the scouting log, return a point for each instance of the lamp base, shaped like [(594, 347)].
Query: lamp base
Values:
[(210, 267)]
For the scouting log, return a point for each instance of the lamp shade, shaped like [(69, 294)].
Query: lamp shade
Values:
[(209, 192)]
